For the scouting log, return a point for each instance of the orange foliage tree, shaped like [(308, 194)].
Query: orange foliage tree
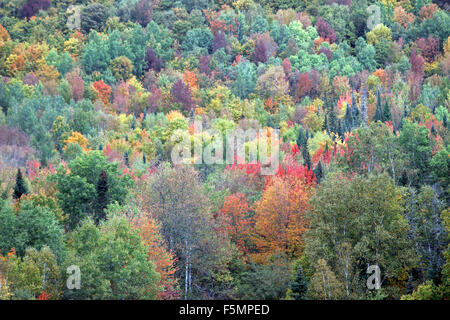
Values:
[(234, 220), (164, 261), (77, 137), (103, 91), (190, 79), (279, 218)]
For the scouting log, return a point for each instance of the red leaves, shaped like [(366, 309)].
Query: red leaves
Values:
[(103, 90), (234, 220), (44, 296)]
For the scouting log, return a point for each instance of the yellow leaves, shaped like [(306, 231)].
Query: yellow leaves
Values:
[(73, 47), (174, 115), (15, 63), (378, 33), (48, 73), (312, 121), (78, 138), (432, 67)]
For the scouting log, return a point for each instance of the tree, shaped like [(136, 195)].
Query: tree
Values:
[(103, 91), (323, 284), (374, 149), (121, 68), (32, 7), (35, 275), (261, 52), (366, 55), (351, 219), (199, 249), (102, 196), (235, 220), (325, 31), (93, 17), (299, 285), (219, 41), (78, 192), (153, 61), (379, 110), (36, 226), (20, 188), (245, 79), (279, 219), (428, 231), (428, 47), (272, 83), (7, 227), (417, 146), (181, 93), (274, 275), (143, 11), (113, 262), (198, 38)]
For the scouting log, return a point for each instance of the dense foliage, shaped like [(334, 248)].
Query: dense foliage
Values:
[(92, 94)]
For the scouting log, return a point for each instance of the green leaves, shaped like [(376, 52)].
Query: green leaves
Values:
[(77, 194), (113, 262)]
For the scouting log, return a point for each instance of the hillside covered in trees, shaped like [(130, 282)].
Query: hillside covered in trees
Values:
[(95, 96)]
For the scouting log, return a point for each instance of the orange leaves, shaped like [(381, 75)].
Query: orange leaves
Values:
[(269, 104), (164, 260), (103, 91), (78, 138), (279, 218), (4, 35), (382, 75), (18, 64), (403, 17), (234, 219), (190, 79)]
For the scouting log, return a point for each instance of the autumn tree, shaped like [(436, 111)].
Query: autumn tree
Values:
[(279, 218), (235, 220), (181, 94), (199, 251)]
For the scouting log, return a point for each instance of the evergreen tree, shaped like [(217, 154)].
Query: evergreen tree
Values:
[(387, 115), (348, 119), (379, 110), (299, 286), (332, 121), (133, 122), (127, 159), (307, 157), (20, 188), (340, 130), (433, 129), (355, 112), (144, 158), (301, 138), (102, 196), (318, 171)]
